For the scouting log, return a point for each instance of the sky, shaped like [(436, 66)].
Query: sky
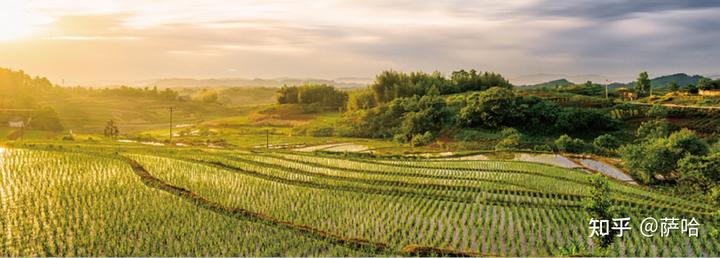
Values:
[(528, 41)]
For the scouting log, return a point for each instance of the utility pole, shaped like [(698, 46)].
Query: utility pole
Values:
[(171, 124), (607, 84)]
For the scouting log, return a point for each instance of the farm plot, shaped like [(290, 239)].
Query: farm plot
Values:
[(57, 203), (502, 208)]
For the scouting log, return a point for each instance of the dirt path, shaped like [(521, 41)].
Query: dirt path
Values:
[(335, 147), (153, 182)]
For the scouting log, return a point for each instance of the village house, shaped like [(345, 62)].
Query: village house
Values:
[(16, 122)]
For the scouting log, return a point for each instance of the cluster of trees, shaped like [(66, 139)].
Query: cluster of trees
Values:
[(390, 85), (322, 95), (407, 118), (707, 84), (166, 94), (661, 155), (205, 95), (588, 89), (19, 90)]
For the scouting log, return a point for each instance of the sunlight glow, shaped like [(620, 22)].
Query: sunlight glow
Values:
[(17, 21)]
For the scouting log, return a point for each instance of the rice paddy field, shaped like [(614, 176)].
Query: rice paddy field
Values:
[(204, 202)]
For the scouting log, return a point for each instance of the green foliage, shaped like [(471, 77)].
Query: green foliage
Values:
[(390, 85), (125, 91), (401, 119), (707, 84), (686, 142), (673, 86), (362, 99), (490, 109), (321, 95), (111, 129), (599, 206), (586, 89), (579, 120), (46, 118), (660, 155), (657, 112), (422, 139), (607, 141), (699, 173), (542, 148), (565, 143), (657, 128), (511, 140), (643, 83)]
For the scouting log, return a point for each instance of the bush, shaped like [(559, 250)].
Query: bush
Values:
[(566, 143), (653, 129), (422, 139), (698, 173), (606, 141), (657, 111), (542, 148), (511, 140)]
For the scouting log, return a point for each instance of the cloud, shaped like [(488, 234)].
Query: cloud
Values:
[(137, 39), (615, 9)]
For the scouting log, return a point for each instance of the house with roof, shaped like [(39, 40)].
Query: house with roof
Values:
[(16, 122)]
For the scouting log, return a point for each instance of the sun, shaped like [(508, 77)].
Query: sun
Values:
[(18, 21)]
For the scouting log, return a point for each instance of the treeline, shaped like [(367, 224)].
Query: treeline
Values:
[(663, 155), (125, 91), (419, 119), (19, 90), (390, 85), (320, 95), (707, 84)]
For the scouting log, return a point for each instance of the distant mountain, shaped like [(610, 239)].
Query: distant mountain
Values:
[(681, 79), (239, 82), (550, 84)]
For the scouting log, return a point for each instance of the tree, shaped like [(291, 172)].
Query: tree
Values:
[(657, 128), (363, 99), (686, 142), (511, 140), (696, 173), (565, 143), (657, 111), (599, 206), (704, 84), (673, 86), (606, 141), (491, 108), (643, 83), (660, 156), (111, 129)]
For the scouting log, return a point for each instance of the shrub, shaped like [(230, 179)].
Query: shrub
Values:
[(606, 141), (422, 139), (566, 143), (542, 148), (511, 139)]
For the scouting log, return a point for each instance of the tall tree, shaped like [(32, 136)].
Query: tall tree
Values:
[(111, 129), (643, 83)]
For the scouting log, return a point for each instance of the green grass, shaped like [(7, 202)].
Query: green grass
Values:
[(89, 113)]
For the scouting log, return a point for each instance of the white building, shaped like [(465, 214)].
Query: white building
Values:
[(16, 123)]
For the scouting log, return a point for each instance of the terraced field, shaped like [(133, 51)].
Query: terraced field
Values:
[(213, 202)]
